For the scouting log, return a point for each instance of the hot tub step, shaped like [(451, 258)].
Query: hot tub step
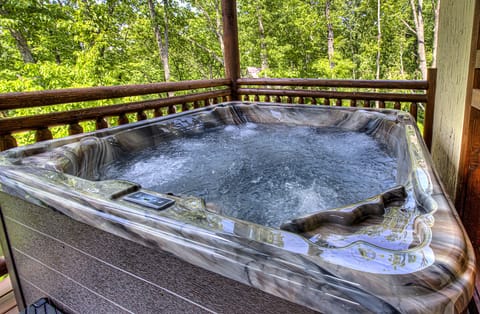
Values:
[(348, 215)]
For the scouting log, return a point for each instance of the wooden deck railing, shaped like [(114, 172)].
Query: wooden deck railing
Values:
[(195, 94), (326, 92), (416, 97), (411, 96)]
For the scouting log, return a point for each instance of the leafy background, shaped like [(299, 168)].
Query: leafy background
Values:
[(50, 44)]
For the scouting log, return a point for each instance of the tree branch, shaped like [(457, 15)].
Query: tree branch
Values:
[(409, 27), (414, 11), (210, 51)]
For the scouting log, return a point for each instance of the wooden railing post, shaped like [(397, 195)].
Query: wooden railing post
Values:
[(7, 141), (311, 91), (43, 134), (430, 107), (101, 123), (75, 128), (230, 43)]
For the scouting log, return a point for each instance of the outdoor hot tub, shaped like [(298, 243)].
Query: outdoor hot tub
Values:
[(237, 207)]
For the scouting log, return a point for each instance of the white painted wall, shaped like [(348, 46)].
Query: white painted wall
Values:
[(455, 63)]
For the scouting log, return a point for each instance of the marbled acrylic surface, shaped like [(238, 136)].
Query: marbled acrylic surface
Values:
[(403, 250)]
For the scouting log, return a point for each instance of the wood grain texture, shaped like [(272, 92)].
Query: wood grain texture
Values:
[(471, 201), (67, 117), (454, 70), (387, 84), (68, 95), (430, 107), (230, 42), (334, 94)]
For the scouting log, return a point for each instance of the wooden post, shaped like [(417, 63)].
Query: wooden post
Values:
[(7, 141), (75, 128), (141, 115), (123, 119), (230, 43), (414, 110), (101, 123), (430, 106), (43, 134)]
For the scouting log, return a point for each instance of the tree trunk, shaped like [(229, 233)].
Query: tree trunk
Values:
[(402, 70), (20, 40), (379, 38), (22, 46), (219, 30), (164, 51), (330, 36), (215, 26), (162, 43), (417, 9), (263, 46), (435, 34)]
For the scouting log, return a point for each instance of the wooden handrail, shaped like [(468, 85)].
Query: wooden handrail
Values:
[(16, 124), (70, 95), (335, 94), (204, 92), (416, 85)]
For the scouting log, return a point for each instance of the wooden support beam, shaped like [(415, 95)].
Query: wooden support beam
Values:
[(429, 108), (230, 43)]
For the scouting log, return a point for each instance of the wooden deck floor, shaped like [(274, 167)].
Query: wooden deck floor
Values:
[(7, 298)]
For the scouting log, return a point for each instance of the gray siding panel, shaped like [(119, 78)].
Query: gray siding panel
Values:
[(95, 259)]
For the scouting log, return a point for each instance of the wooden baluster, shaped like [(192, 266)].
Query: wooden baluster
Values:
[(326, 102), (43, 134), (158, 112), (353, 103), (267, 98), (381, 104), (75, 128), (123, 119), (101, 123), (141, 115), (289, 100), (185, 107), (278, 99), (171, 109), (414, 110), (246, 98), (366, 104), (215, 100), (7, 141), (338, 103), (300, 100), (314, 101), (397, 105), (224, 99), (196, 104), (256, 98)]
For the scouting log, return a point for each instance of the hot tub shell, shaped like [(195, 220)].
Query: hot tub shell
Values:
[(73, 239)]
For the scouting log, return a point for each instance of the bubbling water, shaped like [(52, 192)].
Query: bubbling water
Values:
[(262, 173)]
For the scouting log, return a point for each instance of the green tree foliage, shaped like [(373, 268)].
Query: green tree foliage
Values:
[(47, 44), (50, 44)]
